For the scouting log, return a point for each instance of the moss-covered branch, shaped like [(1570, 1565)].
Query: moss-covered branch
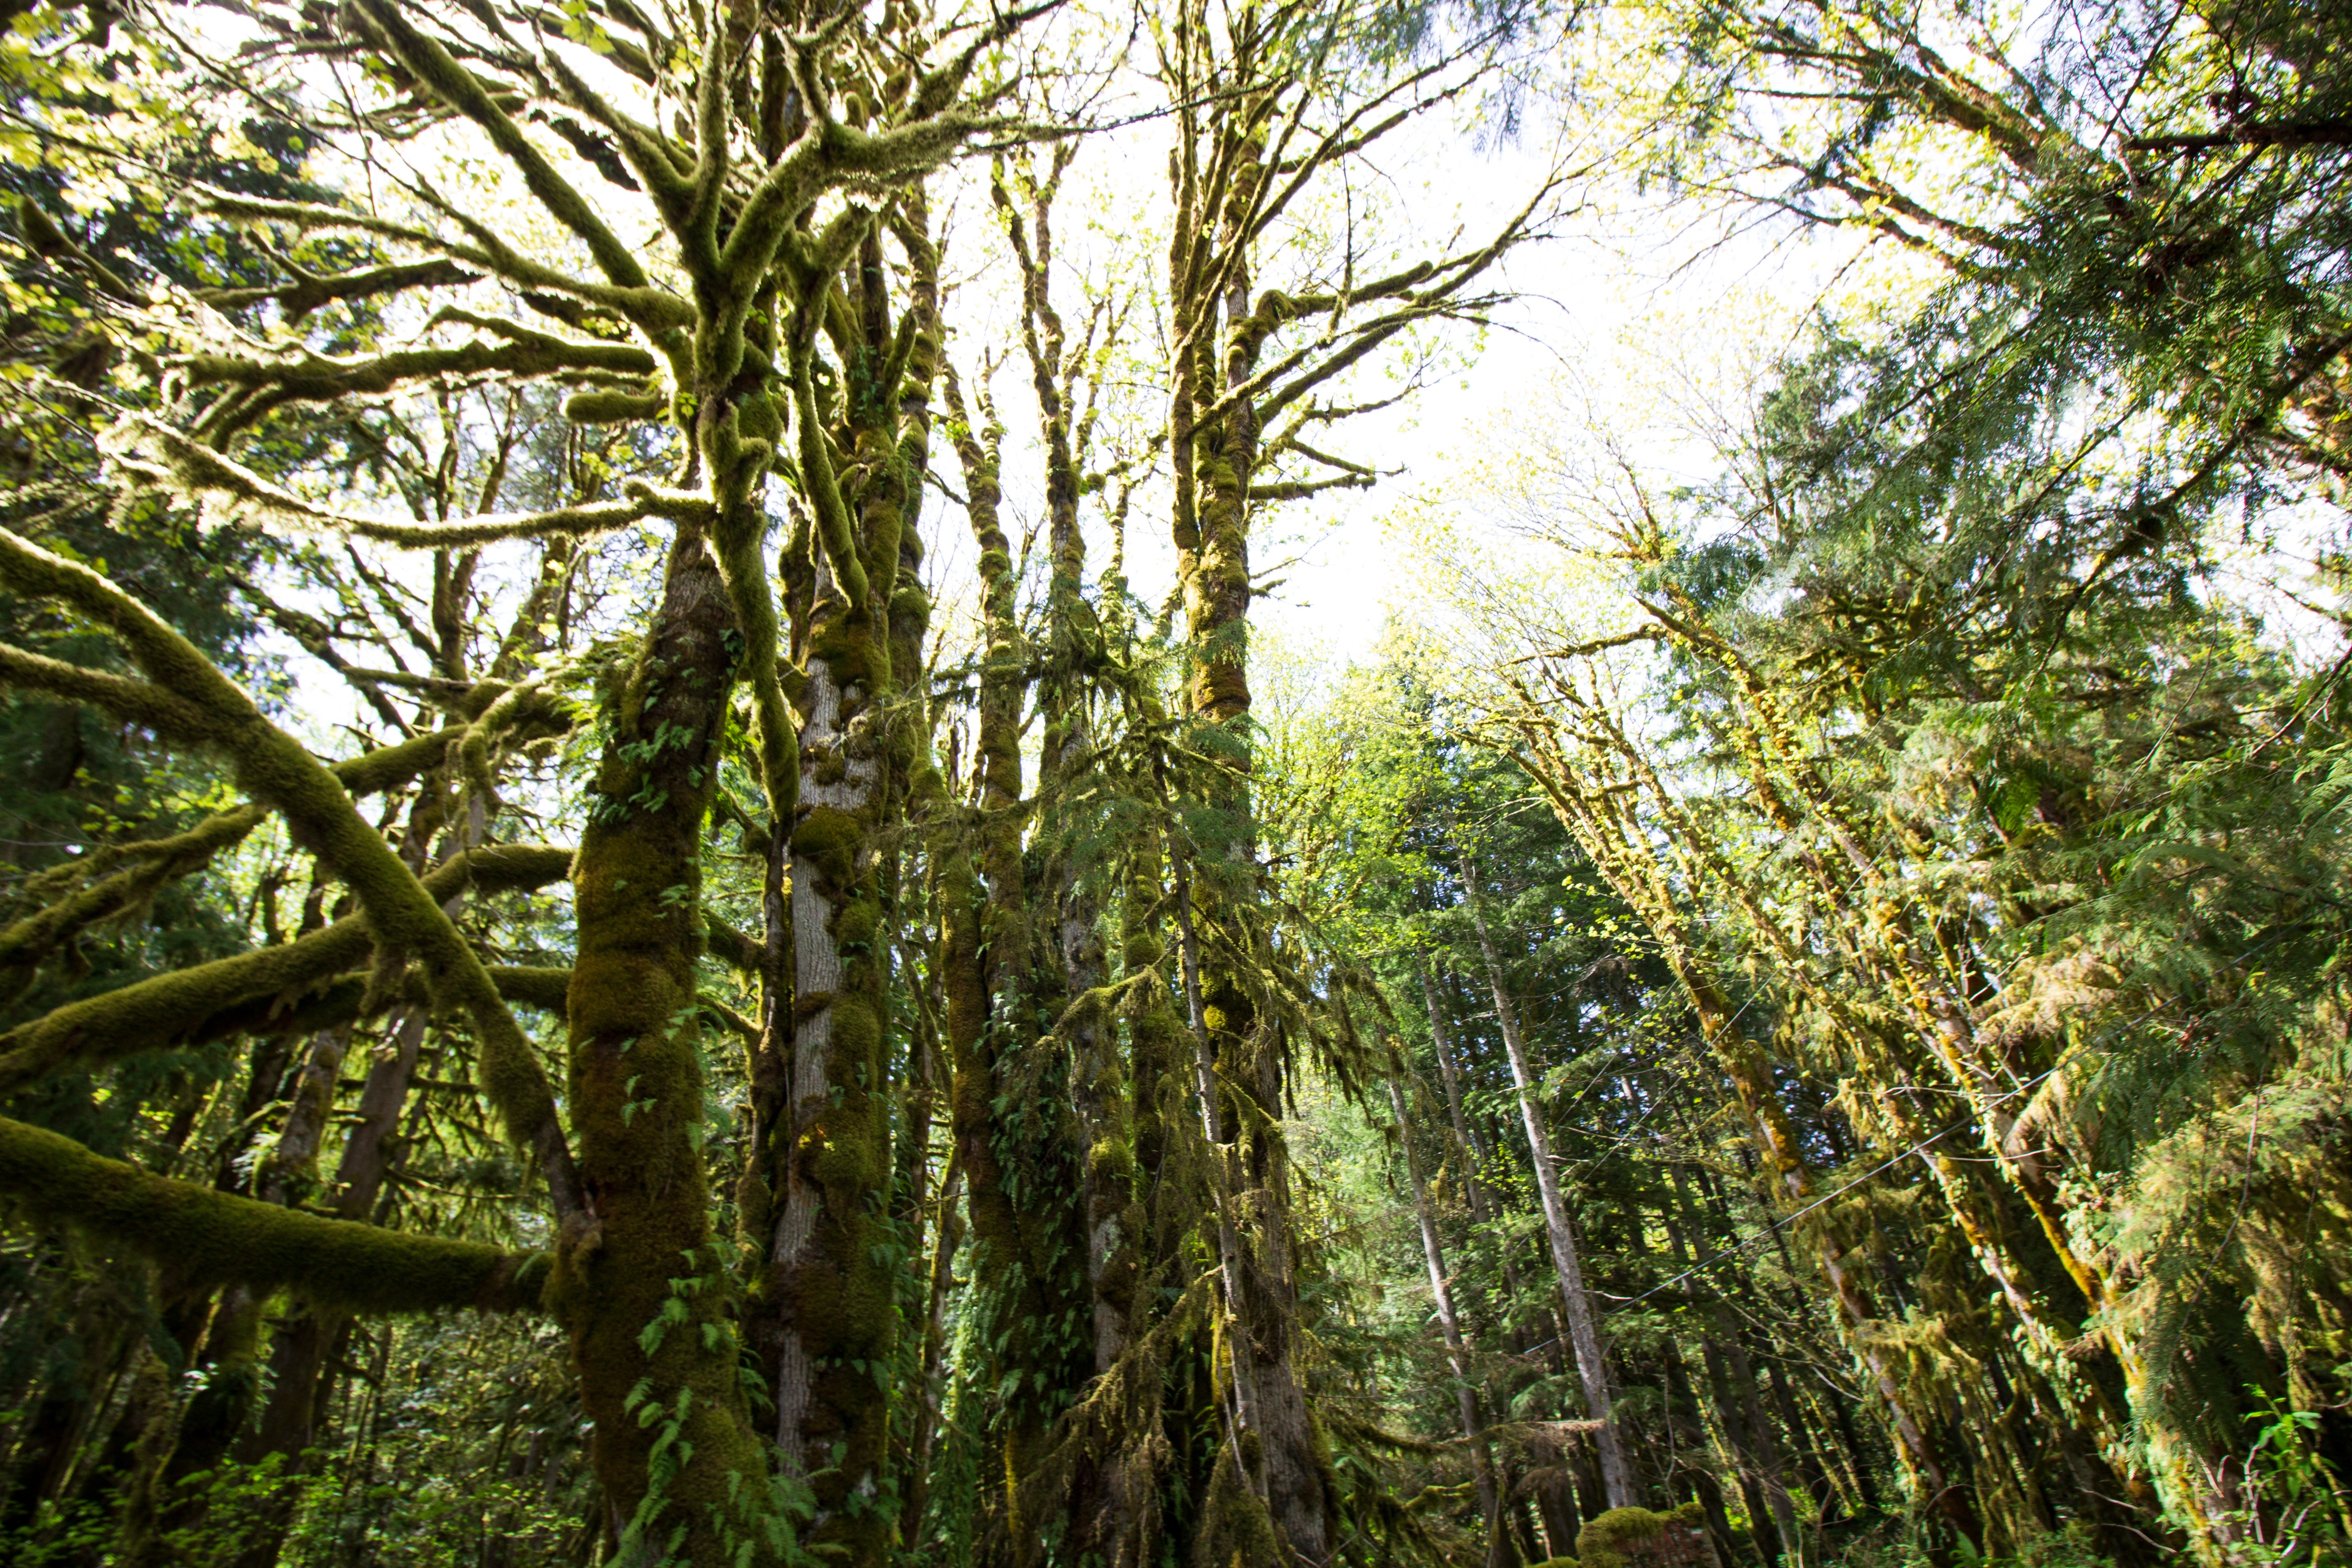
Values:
[(202, 1234), (243, 990), (735, 948), (644, 306), (84, 892), (401, 914), (148, 706), (457, 87), (515, 352), (232, 494), (96, 897), (542, 986), (310, 291)]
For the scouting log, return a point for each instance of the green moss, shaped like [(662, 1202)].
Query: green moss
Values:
[(613, 407), (846, 644), (206, 1234), (856, 926), (828, 839), (1606, 1542), (857, 1032), (547, 989), (1111, 1159), (622, 993)]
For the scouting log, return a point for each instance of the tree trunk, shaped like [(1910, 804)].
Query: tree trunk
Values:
[(1761, 1442), (1690, 1431), (1584, 1337), (1457, 1355), (657, 1360)]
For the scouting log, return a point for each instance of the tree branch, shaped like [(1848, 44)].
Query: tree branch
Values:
[(217, 1236), (232, 494), (245, 989)]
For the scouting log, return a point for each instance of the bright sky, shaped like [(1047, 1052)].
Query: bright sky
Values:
[(1630, 294)]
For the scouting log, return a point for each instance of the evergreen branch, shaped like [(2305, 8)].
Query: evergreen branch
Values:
[(23, 945), (42, 236), (2290, 133)]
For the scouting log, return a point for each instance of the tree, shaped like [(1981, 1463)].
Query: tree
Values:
[(710, 359)]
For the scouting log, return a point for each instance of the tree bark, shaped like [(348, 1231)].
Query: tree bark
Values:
[(657, 1360), (1457, 1355), (1584, 1337)]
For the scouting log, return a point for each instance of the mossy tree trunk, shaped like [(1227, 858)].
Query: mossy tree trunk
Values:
[(863, 754), (1248, 383), (1621, 851), (640, 1283), (2048, 1279)]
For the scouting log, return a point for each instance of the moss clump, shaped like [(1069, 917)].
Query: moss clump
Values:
[(828, 838), (1616, 1538), (1111, 1159)]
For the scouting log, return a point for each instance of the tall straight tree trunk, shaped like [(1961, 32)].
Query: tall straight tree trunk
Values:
[(1690, 1430), (1002, 951), (1877, 933), (1818, 1484), (858, 763), (1732, 1414), (1072, 895), (297, 1352), (836, 1304), (1457, 1355), (1762, 1441), (1584, 1336), (457, 810), (1214, 428)]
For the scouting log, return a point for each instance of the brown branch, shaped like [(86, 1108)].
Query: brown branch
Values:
[(2254, 133)]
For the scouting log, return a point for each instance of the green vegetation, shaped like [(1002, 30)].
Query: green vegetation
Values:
[(583, 981)]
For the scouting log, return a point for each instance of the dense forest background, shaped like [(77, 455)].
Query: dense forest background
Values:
[(673, 892)]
